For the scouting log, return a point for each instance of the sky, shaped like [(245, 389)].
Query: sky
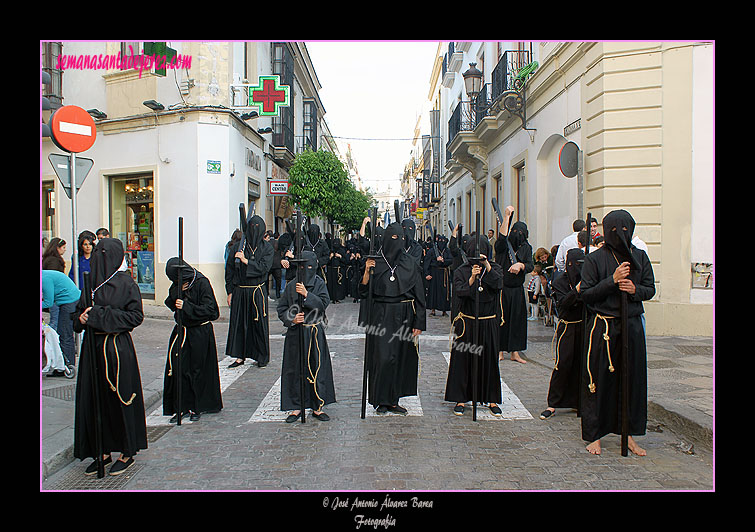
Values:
[(374, 90)]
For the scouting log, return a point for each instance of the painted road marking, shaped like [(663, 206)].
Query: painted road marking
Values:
[(511, 406), (227, 377)]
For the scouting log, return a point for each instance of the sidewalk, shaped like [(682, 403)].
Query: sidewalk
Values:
[(680, 383)]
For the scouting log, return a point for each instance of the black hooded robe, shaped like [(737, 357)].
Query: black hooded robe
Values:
[(336, 275), (459, 384), (248, 323), (319, 389), (514, 328), (600, 406), (398, 307), (117, 310), (200, 385), (563, 390), (439, 287)]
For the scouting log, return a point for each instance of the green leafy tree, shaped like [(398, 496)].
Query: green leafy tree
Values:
[(320, 185)]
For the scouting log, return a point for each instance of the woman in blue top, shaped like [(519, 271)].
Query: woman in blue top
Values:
[(86, 244), (58, 289)]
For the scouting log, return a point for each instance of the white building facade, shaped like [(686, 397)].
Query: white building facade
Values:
[(197, 158)]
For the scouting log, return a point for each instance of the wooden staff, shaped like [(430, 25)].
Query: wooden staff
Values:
[(179, 320), (476, 260), (368, 316), (624, 377), (582, 357), (95, 371)]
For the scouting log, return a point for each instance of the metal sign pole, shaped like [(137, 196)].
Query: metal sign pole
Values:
[(74, 241)]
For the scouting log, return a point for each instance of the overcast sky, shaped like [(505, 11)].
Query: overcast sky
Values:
[(374, 90)]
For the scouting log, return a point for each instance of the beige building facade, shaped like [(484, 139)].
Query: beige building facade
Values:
[(641, 114)]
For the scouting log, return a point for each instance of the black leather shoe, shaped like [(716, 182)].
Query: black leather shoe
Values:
[(194, 416), (261, 365), (322, 416), (293, 417), (236, 363), (382, 409)]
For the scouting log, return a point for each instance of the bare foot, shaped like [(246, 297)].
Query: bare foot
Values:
[(594, 447), (500, 356), (516, 358), (636, 449)]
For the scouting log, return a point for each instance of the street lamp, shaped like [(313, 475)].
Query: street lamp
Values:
[(152, 104), (472, 81)]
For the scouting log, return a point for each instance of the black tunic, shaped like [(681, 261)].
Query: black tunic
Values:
[(439, 286), (459, 384), (563, 391), (337, 274), (319, 389), (248, 322), (117, 310), (514, 329), (200, 386), (600, 402), (398, 307)]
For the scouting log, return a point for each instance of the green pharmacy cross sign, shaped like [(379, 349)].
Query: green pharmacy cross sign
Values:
[(269, 96)]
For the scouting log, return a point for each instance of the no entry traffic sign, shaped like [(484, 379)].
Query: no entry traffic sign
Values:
[(73, 129)]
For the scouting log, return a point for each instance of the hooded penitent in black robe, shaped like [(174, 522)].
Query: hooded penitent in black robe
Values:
[(600, 406), (354, 268), (439, 286), (117, 310), (248, 325), (563, 391), (319, 389), (514, 328), (459, 385), (459, 258), (194, 343), (412, 247), (398, 307), (337, 272)]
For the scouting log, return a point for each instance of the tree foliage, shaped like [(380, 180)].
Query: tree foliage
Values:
[(320, 185)]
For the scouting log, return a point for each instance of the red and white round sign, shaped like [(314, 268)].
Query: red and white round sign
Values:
[(73, 129)]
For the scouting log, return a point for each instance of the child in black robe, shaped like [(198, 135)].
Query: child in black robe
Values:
[(563, 391), (246, 286), (460, 382), (319, 389), (116, 311), (194, 343)]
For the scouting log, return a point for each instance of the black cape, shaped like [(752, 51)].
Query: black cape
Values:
[(319, 389), (600, 402), (194, 343), (248, 324), (117, 310), (398, 307), (459, 384)]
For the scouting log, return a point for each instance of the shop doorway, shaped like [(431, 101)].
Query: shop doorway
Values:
[(132, 221)]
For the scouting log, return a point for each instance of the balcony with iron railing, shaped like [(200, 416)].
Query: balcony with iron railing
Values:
[(469, 113)]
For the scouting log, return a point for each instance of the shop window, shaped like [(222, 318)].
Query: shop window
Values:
[(132, 221)]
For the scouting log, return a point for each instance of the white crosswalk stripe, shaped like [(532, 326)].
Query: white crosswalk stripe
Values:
[(227, 377), (511, 406)]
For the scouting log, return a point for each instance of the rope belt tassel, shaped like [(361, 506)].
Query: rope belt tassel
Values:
[(606, 338), (116, 387)]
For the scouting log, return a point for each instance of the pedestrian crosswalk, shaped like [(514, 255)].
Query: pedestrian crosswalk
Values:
[(269, 408)]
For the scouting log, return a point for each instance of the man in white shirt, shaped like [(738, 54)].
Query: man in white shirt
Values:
[(570, 242)]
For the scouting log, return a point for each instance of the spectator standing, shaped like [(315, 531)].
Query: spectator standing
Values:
[(52, 259), (58, 289)]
